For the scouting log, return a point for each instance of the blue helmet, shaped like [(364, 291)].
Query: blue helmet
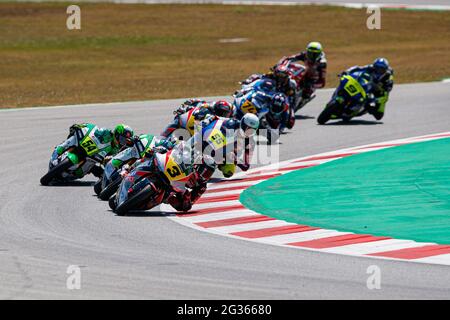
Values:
[(381, 65)]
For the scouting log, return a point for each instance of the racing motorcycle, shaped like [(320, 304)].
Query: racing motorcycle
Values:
[(182, 126), (78, 159), (349, 99), (112, 176), (297, 73), (257, 99), (154, 178)]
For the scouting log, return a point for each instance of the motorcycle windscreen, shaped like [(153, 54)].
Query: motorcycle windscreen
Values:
[(125, 186), (109, 170)]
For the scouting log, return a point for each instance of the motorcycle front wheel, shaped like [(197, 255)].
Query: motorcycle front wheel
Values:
[(56, 171), (326, 114), (135, 202), (98, 187), (110, 189)]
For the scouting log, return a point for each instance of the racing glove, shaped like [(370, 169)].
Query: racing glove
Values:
[(60, 150)]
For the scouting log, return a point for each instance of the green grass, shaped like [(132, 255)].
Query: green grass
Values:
[(139, 52)]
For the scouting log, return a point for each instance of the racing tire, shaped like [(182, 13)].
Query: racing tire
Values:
[(134, 202), (112, 202), (110, 189), (56, 171), (326, 114), (98, 187)]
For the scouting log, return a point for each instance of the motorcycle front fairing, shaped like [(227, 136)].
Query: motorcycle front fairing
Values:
[(350, 94), (135, 181), (110, 173)]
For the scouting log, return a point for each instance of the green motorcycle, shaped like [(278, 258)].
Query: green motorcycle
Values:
[(86, 154)]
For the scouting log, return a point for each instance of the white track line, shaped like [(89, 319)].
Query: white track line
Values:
[(220, 216)]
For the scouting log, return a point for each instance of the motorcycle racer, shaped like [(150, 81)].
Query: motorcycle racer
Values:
[(316, 67), (141, 145), (183, 201), (193, 110), (106, 142), (278, 78), (382, 82), (244, 129), (279, 115), (263, 99)]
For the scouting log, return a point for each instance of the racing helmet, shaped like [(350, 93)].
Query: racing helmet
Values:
[(281, 72), (249, 124), (227, 169), (278, 104), (313, 50), (123, 135), (222, 109), (381, 66)]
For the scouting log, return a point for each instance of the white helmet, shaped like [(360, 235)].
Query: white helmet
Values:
[(249, 124)]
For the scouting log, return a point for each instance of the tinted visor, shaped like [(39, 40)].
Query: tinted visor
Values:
[(223, 111), (277, 108), (380, 69), (122, 140), (313, 55)]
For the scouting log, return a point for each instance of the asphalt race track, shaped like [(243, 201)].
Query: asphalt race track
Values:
[(43, 230)]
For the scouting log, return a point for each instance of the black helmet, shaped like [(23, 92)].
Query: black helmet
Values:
[(278, 104), (281, 72)]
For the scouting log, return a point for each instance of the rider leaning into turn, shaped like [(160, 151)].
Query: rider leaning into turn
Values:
[(316, 68), (112, 140), (271, 86), (244, 129), (202, 108), (220, 108), (382, 78), (141, 145)]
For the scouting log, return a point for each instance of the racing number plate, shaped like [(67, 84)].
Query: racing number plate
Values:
[(89, 146), (248, 107), (217, 138), (173, 171), (353, 87)]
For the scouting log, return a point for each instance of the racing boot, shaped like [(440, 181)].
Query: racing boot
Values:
[(97, 171)]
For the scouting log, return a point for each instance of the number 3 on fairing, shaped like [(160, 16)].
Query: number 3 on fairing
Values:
[(174, 171)]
